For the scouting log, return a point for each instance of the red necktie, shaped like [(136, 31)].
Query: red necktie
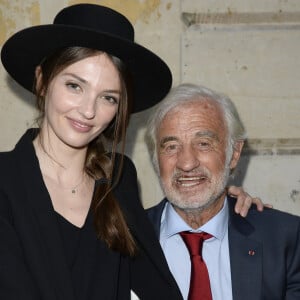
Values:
[(199, 283)]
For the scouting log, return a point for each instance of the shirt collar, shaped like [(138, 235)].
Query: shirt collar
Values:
[(172, 223)]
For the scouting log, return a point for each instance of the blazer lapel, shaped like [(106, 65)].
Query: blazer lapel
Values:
[(50, 256), (154, 214), (245, 258), (144, 232)]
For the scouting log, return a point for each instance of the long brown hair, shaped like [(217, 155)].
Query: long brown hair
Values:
[(110, 223)]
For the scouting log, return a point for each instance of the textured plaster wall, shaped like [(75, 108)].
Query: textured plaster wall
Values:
[(246, 49)]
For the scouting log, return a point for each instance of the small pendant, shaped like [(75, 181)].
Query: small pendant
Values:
[(73, 191)]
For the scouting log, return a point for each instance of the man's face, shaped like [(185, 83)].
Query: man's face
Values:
[(192, 144)]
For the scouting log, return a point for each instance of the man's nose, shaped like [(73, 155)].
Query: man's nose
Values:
[(187, 159)]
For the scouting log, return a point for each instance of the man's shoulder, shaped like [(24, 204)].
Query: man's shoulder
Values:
[(272, 214), (268, 214), (266, 223), (271, 223)]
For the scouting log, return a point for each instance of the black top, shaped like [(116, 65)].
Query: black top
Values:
[(41, 260), (70, 235), (96, 278)]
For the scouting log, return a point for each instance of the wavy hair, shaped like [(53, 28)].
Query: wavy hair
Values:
[(109, 220)]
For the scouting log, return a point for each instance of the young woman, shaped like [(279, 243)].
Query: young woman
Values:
[(71, 223)]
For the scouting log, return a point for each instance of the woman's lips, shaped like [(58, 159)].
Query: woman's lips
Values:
[(80, 126)]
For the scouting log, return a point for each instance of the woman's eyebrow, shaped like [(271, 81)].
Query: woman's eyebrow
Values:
[(86, 82), (75, 76)]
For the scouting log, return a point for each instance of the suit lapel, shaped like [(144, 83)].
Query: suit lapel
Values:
[(245, 258), (50, 255)]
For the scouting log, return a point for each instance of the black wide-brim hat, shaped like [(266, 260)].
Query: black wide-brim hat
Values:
[(91, 26)]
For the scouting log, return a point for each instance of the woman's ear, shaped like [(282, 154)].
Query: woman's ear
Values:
[(237, 150), (38, 78)]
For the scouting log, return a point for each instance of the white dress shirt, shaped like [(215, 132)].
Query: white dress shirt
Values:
[(215, 251)]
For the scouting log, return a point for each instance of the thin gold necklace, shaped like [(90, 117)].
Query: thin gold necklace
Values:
[(74, 189)]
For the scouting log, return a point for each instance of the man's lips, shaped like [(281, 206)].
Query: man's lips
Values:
[(189, 181)]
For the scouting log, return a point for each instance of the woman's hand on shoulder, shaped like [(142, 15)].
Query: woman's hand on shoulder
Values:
[(244, 201)]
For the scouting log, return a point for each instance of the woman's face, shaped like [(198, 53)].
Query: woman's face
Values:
[(81, 101)]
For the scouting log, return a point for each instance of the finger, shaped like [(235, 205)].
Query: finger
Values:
[(235, 191), (243, 203), (256, 201), (259, 204), (246, 206)]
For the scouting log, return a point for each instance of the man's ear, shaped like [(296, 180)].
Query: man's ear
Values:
[(38, 78), (237, 150)]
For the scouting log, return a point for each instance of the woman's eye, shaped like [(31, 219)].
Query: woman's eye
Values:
[(73, 86), (111, 99)]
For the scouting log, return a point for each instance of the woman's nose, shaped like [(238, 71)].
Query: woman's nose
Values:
[(87, 108)]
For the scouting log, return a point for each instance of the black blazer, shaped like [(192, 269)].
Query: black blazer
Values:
[(264, 253), (32, 263)]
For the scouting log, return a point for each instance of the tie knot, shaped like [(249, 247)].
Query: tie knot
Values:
[(194, 241)]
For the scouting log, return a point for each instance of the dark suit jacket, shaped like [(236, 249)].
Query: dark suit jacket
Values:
[(32, 263), (273, 272)]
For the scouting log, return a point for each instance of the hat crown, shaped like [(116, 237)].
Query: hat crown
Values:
[(96, 18)]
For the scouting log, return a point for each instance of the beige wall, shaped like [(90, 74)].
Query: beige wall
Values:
[(246, 49)]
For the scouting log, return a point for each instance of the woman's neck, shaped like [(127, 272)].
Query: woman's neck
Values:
[(59, 161), (69, 186)]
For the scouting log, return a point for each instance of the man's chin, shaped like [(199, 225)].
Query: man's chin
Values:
[(191, 205), (195, 204)]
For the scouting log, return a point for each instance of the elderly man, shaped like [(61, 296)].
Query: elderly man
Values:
[(195, 138)]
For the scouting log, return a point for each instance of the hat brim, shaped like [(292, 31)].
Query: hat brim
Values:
[(25, 50)]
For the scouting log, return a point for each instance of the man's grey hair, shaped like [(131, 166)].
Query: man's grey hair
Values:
[(185, 93)]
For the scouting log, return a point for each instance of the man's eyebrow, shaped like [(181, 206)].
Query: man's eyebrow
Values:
[(167, 139), (207, 133)]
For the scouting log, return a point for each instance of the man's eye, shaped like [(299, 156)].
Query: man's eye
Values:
[(172, 148), (205, 145)]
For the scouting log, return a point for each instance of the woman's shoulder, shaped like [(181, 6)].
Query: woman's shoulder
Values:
[(22, 148), (126, 185), (6, 161), (127, 161), (127, 168)]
